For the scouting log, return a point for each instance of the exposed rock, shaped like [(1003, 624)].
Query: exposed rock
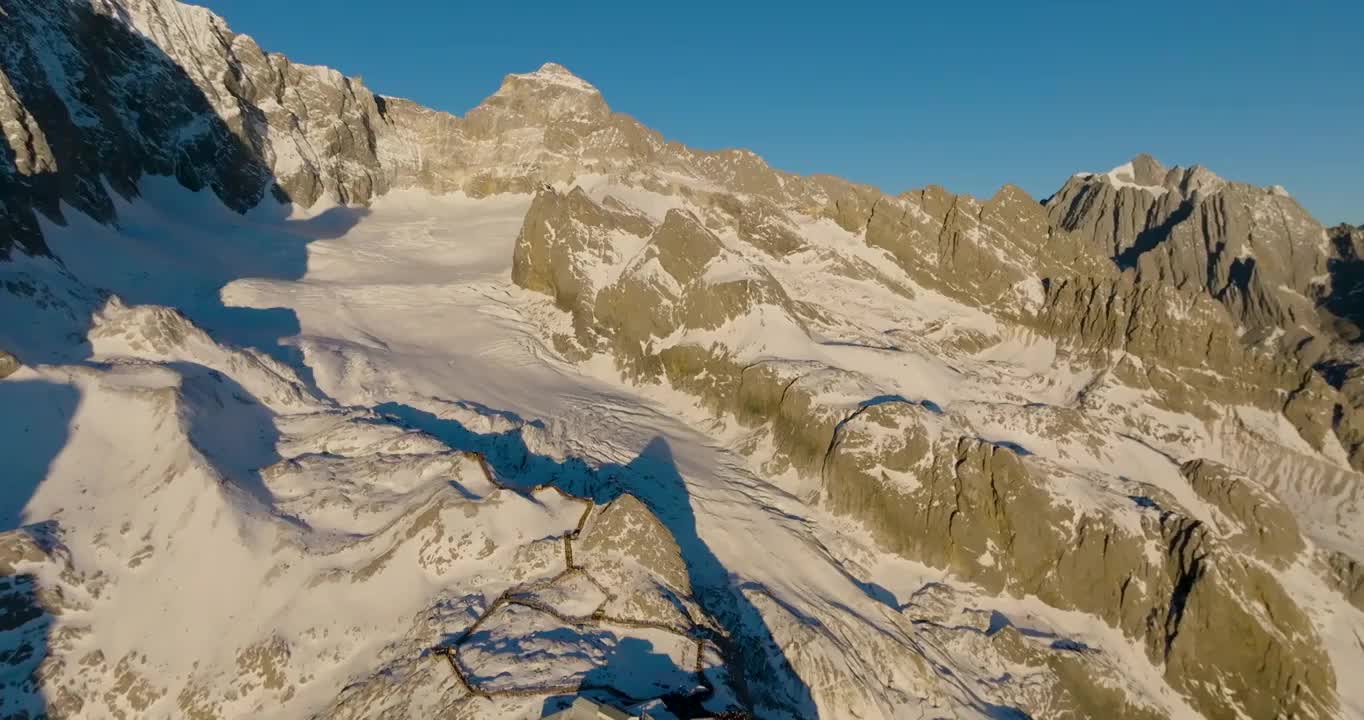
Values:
[(1191, 350), (636, 285), (683, 280), (1347, 575), (1311, 408), (1176, 328), (626, 528), (1345, 265), (982, 512), (1161, 577), (1349, 427), (8, 364), (760, 223), (625, 547), (1253, 249), (31, 655), (1057, 676), (567, 244), (85, 119), (1258, 520), (972, 250)]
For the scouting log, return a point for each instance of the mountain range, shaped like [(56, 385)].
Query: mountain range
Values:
[(316, 402)]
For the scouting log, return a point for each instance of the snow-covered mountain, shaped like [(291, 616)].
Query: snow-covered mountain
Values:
[(318, 403)]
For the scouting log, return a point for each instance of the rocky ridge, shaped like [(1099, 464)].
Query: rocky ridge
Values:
[(698, 306), (1195, 314)]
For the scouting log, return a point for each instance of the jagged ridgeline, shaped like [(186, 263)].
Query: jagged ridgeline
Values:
[(1136, 405)]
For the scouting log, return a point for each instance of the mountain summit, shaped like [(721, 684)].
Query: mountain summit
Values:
[(553, 74), (548, 95)]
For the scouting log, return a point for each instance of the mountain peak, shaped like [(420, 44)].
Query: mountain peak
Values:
[(552, 73), (1142, 170), (548, 94), (1146, 170)]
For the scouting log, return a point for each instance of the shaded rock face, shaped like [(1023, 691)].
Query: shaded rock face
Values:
[(1180, 334), (1345, 297), (75, 83), (29, 606), (1149, 320), (25, 623), (1191, 351), (1347, 574), (1312, 408), (76, 78), (1349, 413)]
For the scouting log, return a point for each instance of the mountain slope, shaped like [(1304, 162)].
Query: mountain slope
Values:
[(405, 413)]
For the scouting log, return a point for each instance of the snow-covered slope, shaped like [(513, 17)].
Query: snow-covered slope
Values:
[(350, 408)]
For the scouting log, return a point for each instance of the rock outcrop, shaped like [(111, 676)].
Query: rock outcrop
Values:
[(39, 586), (1162, 577), (75, 80), (986, 253), (1061, 672), (1254, 519), (636, 289), (8, 364), (1344, 299), (1347, 575), (626, 547), (1253, 249)]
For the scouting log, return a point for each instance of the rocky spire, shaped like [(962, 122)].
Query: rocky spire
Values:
[(1145, 170), (549, 94)]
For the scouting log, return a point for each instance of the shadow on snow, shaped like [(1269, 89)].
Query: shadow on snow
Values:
[(136, 113), (758, 668)]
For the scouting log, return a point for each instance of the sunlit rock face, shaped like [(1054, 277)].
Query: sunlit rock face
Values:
[(1254, 249), (1167, 575)]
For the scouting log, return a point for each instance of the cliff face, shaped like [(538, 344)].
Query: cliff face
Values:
[(1153, 571), (89, 105), (694, 300), (1253, 249), (80, 81)]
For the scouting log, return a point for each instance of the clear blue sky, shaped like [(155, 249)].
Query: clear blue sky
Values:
[(968, 95)]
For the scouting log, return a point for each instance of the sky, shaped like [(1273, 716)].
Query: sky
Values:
[(901, 94)]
